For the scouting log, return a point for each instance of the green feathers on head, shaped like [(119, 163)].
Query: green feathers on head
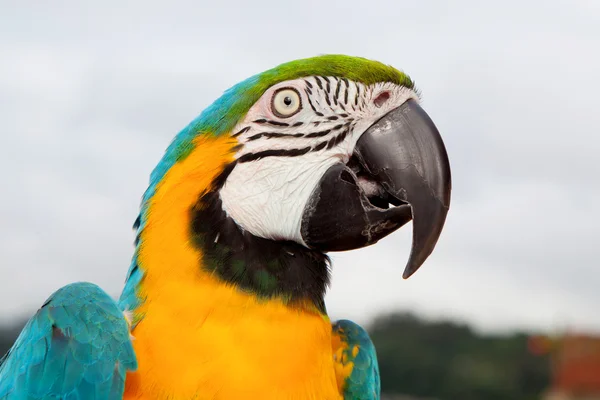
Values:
[(230, 108)]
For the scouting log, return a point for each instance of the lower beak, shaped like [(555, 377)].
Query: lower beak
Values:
[(404, 153)]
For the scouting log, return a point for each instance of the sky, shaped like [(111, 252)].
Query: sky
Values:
[(91, 94)]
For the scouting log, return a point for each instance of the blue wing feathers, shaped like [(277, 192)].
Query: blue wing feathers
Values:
[(363, 383), (77, 346)]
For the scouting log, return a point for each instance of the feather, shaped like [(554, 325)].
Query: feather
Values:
[(355, 360), (76, 346)]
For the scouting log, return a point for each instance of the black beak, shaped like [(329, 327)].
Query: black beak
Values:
[(401, 160), (404, 152)]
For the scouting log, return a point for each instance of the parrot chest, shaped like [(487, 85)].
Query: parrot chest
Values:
[(220, 343)]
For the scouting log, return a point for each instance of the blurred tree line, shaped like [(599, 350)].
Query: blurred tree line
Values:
[(441, 360), (446, 360)]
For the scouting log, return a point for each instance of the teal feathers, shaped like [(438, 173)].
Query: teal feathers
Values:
[(77, 346), (363, 383)]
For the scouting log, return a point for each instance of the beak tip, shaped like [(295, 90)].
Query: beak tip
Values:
[(409, 270)]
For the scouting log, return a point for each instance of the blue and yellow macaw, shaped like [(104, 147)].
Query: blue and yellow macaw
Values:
[(224, 298)]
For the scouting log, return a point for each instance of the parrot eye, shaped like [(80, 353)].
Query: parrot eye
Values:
[(286, 102)]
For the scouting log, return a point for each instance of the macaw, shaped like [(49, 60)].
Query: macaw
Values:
[(224, 298)]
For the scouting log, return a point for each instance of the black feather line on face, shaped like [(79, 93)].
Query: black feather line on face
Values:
[(273, 153), (270, 135), (327, 98), (319, 82), (238, 133), (267, 268), (313, 106), (346, 88)]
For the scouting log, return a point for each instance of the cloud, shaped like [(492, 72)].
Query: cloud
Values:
[(91, 96)]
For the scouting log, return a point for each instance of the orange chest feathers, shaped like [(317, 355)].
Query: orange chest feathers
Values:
[(200, 338), (228, 345)]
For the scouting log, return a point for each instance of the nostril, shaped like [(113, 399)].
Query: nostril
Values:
[(381, 98)]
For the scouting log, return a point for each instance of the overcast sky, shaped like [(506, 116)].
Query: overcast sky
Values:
[(90, 96)]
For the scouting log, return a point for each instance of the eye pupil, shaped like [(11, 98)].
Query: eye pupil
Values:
[(287, 100)]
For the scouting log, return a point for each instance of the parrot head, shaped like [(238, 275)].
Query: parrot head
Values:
[(334, 154), (324, 154)]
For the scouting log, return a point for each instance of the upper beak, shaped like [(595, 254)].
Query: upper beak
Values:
[(404, 153)]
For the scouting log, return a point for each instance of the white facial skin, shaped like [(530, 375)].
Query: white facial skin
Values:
[(290, 139)]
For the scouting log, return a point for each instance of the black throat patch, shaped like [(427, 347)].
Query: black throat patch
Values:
[(267, 268)]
